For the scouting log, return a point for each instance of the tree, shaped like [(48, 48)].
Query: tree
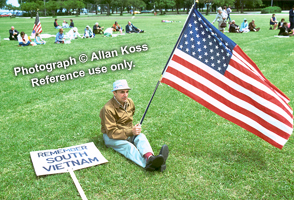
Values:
[(31, 7), (136, 4), (122, 4), (53, 6), (2, 3), (11, 7), (164, 3)]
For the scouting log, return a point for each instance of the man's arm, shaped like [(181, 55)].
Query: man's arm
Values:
[(127, 29)]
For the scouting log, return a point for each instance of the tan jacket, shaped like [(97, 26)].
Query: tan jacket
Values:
[(117, 122)]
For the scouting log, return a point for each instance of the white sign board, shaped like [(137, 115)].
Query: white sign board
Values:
[(60, 160)]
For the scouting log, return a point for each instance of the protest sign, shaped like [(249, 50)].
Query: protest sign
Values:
[(61, 160)]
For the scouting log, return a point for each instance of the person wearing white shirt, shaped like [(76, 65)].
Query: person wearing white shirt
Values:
[(220, 18)]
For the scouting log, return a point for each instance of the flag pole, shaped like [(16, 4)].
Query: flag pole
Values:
[(185, 24)]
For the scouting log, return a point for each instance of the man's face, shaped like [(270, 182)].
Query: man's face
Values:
[(121, 95), (129, 23), (12, 28)]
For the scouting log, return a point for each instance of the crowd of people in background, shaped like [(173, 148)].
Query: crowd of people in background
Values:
[(223, 18), (62, 38)]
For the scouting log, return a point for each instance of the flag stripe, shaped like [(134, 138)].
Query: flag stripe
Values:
[(255, 86), (275, 142), (216, 92), (223, 82), (244, 58)]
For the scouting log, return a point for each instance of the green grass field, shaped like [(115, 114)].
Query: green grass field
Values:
[(210, 157)]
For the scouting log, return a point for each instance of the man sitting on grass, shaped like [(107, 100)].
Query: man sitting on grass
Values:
[(97, 29), (130, 28), (120, 134), (234, 28), (252, 26), (13, 33), (285, 31), (59, 37), (23, 40)]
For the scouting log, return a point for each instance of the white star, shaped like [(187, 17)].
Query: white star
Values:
[(199, 18), (193, 53), (206, 60), (198, 42), (217, 54), (192, 46), (221, 39), (205, 53), (192, 39), (194, 15), (204, 46), (211, 50), (214, 40), (218, 61), (203, 33), (222, 51), (199, 50), (181, 46), (206, 29), (209, 36), (187, 49), (201, 26), (216, 47), (212, 64), (225, 65), (197, 36), (191, 32), (226, 44), (224, 58), (228, 54), (220, 44), (196, 29), (190, 25), (195, 22), (212, 58), (203, 39), (210, 43), (199, 57), (219, 69), (185, 35), (186, 42), (212, 33)]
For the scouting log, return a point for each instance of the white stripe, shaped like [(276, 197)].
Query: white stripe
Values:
[(225, 108), (262, 87), (276, 94), (268, 118), (234, 85)]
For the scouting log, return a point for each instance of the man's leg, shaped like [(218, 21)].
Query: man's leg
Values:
[(127, 149), (142, 144)]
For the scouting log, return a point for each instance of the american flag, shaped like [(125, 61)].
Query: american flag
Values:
[(213, 70), (37, 26)]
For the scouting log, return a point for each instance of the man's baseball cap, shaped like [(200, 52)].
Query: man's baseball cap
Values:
[(120, 85)]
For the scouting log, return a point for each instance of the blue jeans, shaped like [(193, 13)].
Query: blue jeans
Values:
[(131, 151), (23, 44)]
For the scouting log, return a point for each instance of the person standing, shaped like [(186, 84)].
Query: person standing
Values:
[(229, 12), (120, 134), (220, 18), (291, 18)]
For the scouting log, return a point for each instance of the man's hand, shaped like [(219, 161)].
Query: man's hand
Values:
[(136, 129)]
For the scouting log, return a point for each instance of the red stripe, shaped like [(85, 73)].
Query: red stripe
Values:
[(228, 103), (245, 57), (231, 90), (256, 90), (220, 112)]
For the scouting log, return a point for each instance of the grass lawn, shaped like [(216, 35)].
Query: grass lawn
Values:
[(210, 157)]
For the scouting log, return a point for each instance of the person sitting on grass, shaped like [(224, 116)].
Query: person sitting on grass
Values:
[(130, 28), (281, 23), (120, 134), (13, 33), (38, 39), (59, 37), (244, 26), (23, 40), (73, 34), (117, 27), (56, 25), (273, 22), (71, 24), (285, 31), (97, 29), (65, 24), (234, 28), (252, 26), (88, 32)]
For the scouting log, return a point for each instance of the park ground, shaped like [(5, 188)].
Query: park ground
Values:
[(210, 157)]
